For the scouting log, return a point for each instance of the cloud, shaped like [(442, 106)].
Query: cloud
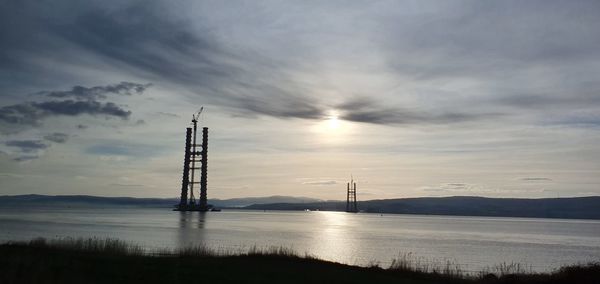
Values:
[(456, 188), (125, 185), (536, 179), (364, 110), (120, 149), (74, 102), (147, 40), (57, 137), (285, 108), (146, 37), (367, 111), (25, 158), (25, 113), (81, 100), (168, 114), (31, 113), (11, 175), (27, 149), (457, 185), (470, 40), (27, 146), (98, 92), (110, 150), (256, 75), (321, 182), (73, 108)]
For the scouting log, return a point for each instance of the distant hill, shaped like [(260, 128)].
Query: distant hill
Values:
[(569, 208), (242, 202), (87, 200)]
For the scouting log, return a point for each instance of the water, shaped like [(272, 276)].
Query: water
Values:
[(362, 239)]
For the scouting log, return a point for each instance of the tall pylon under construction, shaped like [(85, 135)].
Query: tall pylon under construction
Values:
[(192, 158), (351, 197)]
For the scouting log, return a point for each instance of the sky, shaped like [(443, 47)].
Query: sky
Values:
[(410, 98)]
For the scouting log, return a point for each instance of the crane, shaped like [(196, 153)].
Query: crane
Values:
[(195, 153), (196, 115)]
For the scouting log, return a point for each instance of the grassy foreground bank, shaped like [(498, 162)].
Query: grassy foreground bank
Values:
[(114, 261)]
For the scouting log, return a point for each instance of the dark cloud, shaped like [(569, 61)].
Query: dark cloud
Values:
[(143, 36), (148, 40), (72, 108), (24, 114), (156, 40), (285, 108), (82, 100), (364, 110), (368, 111), (27, 146), (25, 158), (31, 113), (98, 92), (57, 137)]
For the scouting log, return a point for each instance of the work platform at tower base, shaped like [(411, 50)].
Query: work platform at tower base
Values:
[(194, 207)]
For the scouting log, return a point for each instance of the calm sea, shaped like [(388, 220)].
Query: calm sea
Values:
[(363, 239)]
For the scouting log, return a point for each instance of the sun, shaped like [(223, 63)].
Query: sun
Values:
[(332, 128), (333, 121)]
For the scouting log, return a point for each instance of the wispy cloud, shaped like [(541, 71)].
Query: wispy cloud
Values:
[(168, 114), (116, 148), (126, 185), (27, 146), (460, 188), (57, 137), (536, 179), (26, 149), (98, 92), (321, 182)]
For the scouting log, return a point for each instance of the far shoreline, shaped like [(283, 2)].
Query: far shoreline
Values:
[(576, 208)]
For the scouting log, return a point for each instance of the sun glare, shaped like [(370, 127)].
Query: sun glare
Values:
[(332, 128), (333, 122)]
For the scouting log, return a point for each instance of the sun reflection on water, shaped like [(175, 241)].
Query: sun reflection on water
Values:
[(332, 240)]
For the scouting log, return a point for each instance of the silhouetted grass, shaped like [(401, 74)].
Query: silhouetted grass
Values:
[(91, 245), (408, 262), (113, 261)]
